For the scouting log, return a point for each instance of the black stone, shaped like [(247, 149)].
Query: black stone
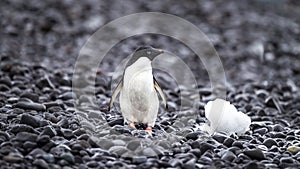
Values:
[(29, 145), (43, 139), (261, 131), (119, 121), (31, 106), (289, 160), (205, 146), (40, 163), (67, 96), (237, 144), (4, 88), (63, 123), (255, 154), (219, 137), (228, 156), (25, 136), (228, 141), (189, 164), (269, 142), (22, 128), (6, 81), (32, 96), (50, 131), (29, 120), (67, 133), (139, 159), (193, 135), (278, 128)]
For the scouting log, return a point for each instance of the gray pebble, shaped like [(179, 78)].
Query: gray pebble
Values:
[(133, 145), (67, 133), (43, 139), (6, 81), (13, 100), (32, 96), (119, 121), (67, 96), (105, 144), (36, 152), (278, 128), (228, 141), (92, 164), (25, 136), (196, 152), (193, 135), (255, 154), (139, 159), (22, 128), (269, 142), (119, 150), (219, 137), (29, 145), (29, 120), (287, 160), (205, 146), (4, 88), (261, 131), (50, 131), (237, 144), (41, 163), (13, 158), (189, 164), (68, 157), (63, 123), (149, 152), (228, 156), (48, 158), (30, 106), (119, 142)]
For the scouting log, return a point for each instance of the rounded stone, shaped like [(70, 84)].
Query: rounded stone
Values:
[(22, 128), (40, 163), (25, 136), (269, 142), (29, 120), (255, 154), (293, 149), (149, 152), (228, 156), (30, 106), (68, 157), (139, 159), (49, 130)]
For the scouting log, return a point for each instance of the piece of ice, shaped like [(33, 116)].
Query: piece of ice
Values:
[(224, 117)]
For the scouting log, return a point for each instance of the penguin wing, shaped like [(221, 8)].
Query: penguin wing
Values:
[(163, 97), (115, 94)]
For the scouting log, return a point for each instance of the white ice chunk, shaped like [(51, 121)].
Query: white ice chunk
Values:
[(224, 117)]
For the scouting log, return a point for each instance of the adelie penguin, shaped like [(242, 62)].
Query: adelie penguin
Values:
[(138, 98)]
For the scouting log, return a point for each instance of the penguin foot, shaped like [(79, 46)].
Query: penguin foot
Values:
[(132, 125), (149, 130)]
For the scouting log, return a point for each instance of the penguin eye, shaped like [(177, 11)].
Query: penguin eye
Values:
[(148, 52)]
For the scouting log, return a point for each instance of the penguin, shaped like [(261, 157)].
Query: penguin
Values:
[(138, 89)]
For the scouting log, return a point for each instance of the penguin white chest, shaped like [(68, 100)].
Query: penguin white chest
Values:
[(138, 98)]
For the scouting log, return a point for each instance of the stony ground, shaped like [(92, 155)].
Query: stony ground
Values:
[(259, 45)]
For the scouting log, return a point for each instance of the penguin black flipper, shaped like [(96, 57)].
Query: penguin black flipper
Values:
[(159, 90), (115, 94)]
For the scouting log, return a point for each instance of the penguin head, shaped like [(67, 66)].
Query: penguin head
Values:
[(144, 51), (147, 51)]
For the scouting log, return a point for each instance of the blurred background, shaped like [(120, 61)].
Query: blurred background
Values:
[(256, 39)]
